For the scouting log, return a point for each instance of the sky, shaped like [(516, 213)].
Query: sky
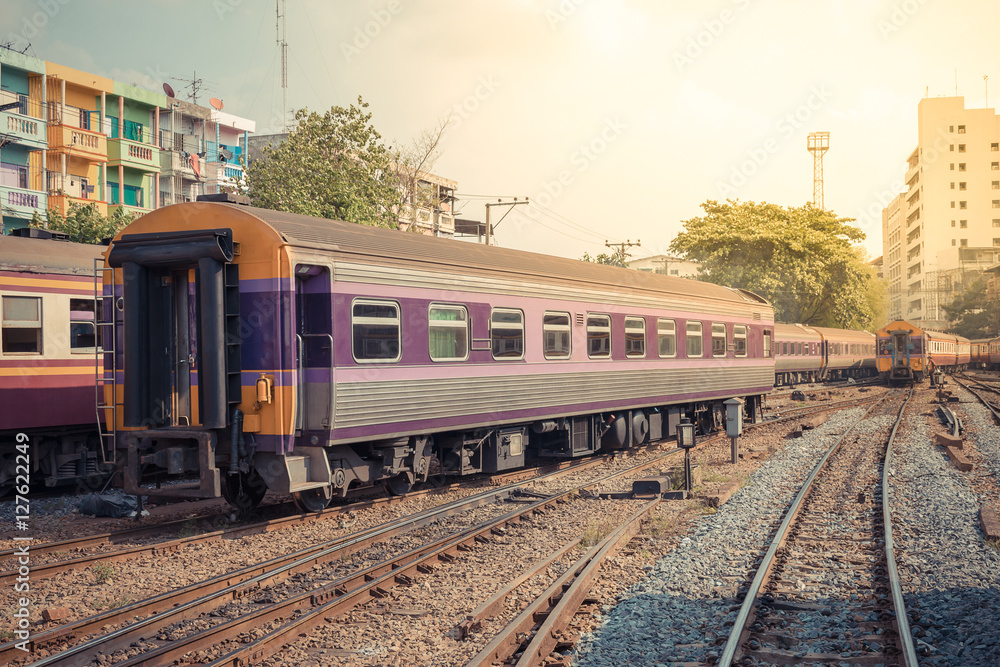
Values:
[(617, 119)]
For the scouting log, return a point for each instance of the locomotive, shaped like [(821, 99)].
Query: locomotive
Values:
[(908, 353), (260, 350)]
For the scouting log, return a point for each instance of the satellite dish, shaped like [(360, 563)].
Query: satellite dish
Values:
[(168, 90), (216, 103)]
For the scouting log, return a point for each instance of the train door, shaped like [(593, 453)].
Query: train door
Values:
[(183, 354), (900, 356), (314, 349)]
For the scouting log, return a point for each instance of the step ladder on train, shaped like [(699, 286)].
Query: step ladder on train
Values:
[(105, 359)]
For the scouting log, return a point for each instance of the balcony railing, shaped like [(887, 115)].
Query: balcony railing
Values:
[(21, 190), (78, 142)]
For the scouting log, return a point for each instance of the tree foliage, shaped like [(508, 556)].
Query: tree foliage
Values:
[(614, 259), (333, 166), (84, 224), (971, 313), (799, 258)]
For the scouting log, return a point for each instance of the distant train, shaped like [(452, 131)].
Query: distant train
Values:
[(810, 354), (47, 361), (907, 353)]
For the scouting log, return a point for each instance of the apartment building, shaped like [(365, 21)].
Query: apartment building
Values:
[(69, 137), (944, 230)]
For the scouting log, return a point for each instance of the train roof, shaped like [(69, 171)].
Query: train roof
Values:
[(377, 244), (31, 255)]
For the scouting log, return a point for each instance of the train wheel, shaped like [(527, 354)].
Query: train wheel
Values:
[(400, 484), (243, 491), (311, 500)]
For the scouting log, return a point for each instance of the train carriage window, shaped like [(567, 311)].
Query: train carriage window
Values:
[(767, 343), (718, 339), (740, 339), (507, 333), (666, 338), (556, 335), (82, 330), (784, 348), (694, 339), (448, 332), (598, 336), (635, 337), (22, 325), (800, 349), (375, 328)]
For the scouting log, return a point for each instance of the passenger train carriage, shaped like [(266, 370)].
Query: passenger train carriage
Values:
[(908, 353), (809, 354), (265, 350), (47, 359)]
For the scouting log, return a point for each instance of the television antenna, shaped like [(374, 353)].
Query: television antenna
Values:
[(194, 85)]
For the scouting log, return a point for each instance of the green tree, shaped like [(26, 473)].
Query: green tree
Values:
[(615, 259), (84, 224), (333, 166), (799, 258), (971, 313)]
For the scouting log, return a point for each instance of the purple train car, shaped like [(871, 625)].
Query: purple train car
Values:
[(265, 350)]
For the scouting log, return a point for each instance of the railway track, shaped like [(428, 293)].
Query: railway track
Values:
[(827, 589), (162, 617)]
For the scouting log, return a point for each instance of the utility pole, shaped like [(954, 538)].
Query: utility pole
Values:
[(621, 253), (500, 202)]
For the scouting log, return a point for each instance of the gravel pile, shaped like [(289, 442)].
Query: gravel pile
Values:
[(951, 577), (683, 611)]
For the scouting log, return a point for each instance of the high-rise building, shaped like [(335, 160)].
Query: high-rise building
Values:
[(940, 234), (69, 137)]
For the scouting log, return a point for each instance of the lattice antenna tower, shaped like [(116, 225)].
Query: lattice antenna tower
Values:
[(279, 27), (818, 144)]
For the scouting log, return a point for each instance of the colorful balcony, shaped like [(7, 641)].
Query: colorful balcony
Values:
[(78, 142), (23, 129), (62, 202), (134, 154)]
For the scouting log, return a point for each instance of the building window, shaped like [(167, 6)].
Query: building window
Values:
[(22, 325), (953, 241), (953, 204), (963, 204), (961, 148), (995, 185), (996, 203), (666, 338), (963, 223), (375, 329), (694, 339), (635, 337), (599, 336), (961, 166), (448, 332), (996, 242), (740, 339), (951, 147), (953, 185), (961, 130), (507, 333), (556, 334), (995, 147), (964, 243), (718, 339), (952, 223), (961, 186), (995, 166), (996, 222)]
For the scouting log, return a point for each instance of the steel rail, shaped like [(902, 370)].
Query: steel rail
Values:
[(898, 603), (739, 626), (192, 600)]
